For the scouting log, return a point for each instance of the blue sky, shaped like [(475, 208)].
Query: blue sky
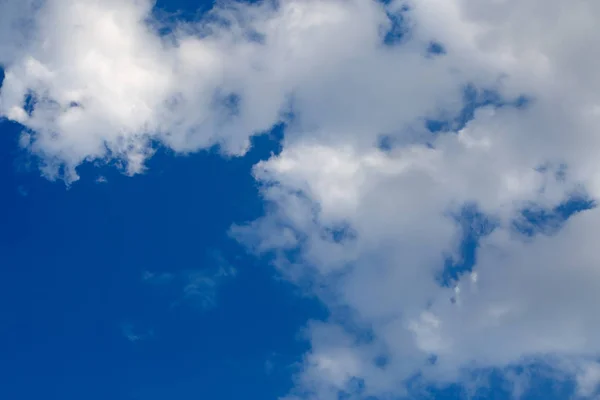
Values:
[(390, 208), (73, 264)]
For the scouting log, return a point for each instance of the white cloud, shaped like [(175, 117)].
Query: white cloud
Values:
[(373, 227), (532, 298)]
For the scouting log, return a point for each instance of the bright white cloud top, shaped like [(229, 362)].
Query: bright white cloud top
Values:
[(94, 80)]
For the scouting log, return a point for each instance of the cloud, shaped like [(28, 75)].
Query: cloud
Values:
[(371, 226), (195, 287), (95, 81), (201, 288), (133, 335), (375, 226)]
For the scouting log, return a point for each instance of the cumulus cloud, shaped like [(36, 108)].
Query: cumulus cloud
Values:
[(372, 227), (375, 226)]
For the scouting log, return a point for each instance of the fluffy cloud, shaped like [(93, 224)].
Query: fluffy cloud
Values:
[(370, 226), (374, 226)]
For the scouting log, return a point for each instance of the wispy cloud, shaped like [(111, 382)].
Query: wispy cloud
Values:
[(158, 278), (196, 287), (201, 287), (133, 335)]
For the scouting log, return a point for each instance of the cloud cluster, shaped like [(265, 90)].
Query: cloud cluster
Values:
[(370, 225)]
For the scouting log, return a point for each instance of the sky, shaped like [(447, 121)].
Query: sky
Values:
[(299, 199)]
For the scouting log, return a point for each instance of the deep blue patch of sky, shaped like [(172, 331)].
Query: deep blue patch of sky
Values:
[(73, 263), (473, 99), (537, 220), (398, 28), (474, 225), (533, 220), (436, 49)]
